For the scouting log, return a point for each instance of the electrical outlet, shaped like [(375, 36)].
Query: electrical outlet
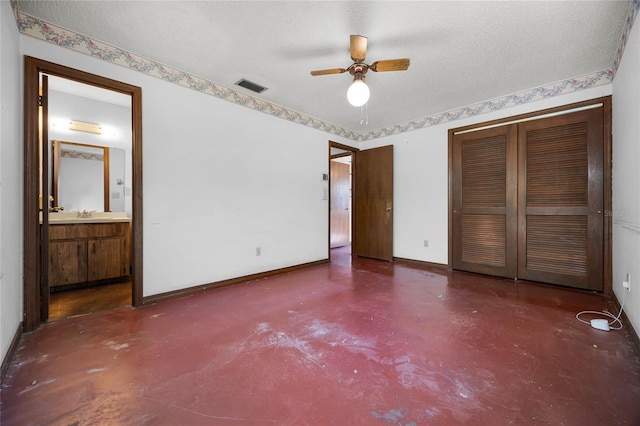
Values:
[(426, 243), (258, 251)]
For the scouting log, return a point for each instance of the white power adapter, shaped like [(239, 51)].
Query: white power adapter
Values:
[(600, 324)]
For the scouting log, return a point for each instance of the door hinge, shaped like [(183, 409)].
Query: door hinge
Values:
[(40, 100)]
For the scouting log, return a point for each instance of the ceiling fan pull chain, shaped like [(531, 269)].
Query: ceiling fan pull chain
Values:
[(364, 114)]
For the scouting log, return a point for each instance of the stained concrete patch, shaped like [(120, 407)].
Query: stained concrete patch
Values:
[(393, 416)]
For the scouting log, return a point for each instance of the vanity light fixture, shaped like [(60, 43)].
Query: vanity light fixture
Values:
[(85, 127)]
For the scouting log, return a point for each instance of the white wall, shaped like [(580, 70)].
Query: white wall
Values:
[(626, 177), (421, 179), (10, 179), (220, 180)]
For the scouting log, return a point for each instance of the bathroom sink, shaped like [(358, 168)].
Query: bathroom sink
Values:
[(97, 217)]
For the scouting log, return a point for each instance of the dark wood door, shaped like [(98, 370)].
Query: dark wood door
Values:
[(340, 204), (373, 203), (561, 200), (528, 200), (44, 197), (484, 186)]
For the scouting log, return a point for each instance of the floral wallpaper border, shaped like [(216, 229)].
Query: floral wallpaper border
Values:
[(48, 32), (518, 98), (631, 17), (65, 153)]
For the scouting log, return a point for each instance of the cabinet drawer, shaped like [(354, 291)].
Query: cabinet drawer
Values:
[(68, 232), (99, 230)]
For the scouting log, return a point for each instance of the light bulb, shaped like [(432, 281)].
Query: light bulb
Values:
[(358, 93)]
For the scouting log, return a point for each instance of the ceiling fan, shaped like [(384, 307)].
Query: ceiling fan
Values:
[(358, 93)]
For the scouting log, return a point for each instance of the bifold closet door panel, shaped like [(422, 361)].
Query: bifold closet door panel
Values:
[(560, 200), (484, 188)]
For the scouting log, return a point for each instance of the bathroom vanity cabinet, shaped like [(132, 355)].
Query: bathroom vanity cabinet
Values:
[(87, 252)]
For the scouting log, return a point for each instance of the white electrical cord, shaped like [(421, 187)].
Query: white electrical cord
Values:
[(615, 319)]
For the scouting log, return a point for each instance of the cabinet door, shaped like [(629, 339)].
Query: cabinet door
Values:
[(105, 259), (67, 262)]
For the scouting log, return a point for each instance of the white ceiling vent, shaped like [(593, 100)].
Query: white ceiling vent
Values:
[(250, 85)]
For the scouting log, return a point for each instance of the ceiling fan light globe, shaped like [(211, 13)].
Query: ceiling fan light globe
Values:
[(358, 93)]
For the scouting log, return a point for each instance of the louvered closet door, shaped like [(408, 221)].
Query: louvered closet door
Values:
[(484, 204), (561, 200)]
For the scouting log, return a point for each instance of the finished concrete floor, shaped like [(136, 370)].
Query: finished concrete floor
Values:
[(357, 342)]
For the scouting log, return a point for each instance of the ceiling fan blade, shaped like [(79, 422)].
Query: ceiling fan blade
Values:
[(390, 65), (329, 71), (358, 48)]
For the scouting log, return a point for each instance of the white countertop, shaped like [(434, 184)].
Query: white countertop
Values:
[(96, 217)]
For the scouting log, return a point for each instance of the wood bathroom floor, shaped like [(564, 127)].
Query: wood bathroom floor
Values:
[(351, 342), (83, 301)]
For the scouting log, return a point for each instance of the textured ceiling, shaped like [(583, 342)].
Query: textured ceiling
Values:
[(461, 52)]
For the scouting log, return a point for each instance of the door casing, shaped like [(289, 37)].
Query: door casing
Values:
[(353, 152), (32, 232)]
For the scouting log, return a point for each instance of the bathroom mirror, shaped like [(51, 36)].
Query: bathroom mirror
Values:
[(82, 177)]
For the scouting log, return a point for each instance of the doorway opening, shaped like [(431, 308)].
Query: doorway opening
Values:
[(89, 171), (85, 242), (341, 160)]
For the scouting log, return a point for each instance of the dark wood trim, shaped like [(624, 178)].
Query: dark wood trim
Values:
[(450, 199), (344, 154), (342, 146), (566, 107), (6, 361), (43, 141), (31, 222), (55, 172), (105, 179), (32, 68), (607, 141), (225, 283), (607, 183), (136, 192), (421, 263), (633, 334)]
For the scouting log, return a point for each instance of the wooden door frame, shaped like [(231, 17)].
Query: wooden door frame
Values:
[(55, 172), (607, 182), (31, 217), (353, 152)]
